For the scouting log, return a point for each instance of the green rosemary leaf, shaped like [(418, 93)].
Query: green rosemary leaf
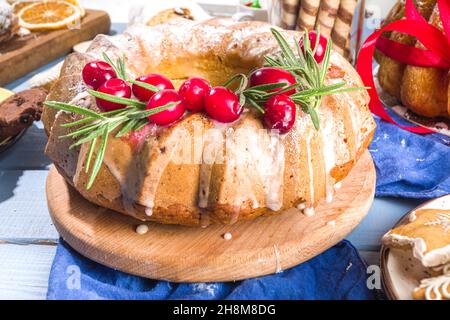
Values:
[(129, 125), (122, 68), (243, 82), (288, 88), (118, 67), (94, 134), (316, 45), (107, 59), (149, 112), (270, 86), (314, 117), (271, 62), (242, 99), (256, 106), (141, 124), (73, 109), (325, 62), (78, 122), (90, 153), (316, 91), (115, 99), (144, 85), (99, 158), (85, 129), (285, 48), (300, 53), (111, 63)]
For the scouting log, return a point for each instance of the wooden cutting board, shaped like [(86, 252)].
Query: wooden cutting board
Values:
[(19, 56), (189, 254)]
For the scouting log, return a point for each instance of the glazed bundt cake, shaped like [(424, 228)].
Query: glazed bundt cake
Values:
[(234, 171), (423, 90)]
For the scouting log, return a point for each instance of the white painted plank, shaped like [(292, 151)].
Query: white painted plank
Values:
[(23, 206), (24, 270), (28, 152)]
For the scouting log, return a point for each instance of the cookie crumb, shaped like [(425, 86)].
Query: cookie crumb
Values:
[(142, 229), (227, 236)]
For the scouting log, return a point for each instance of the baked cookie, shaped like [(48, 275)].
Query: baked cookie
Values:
[(428, 233), (437, 288), (20, 110), (440, 270)]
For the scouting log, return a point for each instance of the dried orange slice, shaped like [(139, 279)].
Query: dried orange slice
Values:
[(48, 15), (19, 5), (77, 4)]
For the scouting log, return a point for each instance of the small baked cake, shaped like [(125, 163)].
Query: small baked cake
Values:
[(20, 110), (423, 90), (427, 233), (237, 169)]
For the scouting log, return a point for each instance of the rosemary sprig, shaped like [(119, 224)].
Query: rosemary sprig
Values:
[(101, 125), (309, 74), (119, 66)]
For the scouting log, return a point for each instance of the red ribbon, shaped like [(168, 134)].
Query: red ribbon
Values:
[(436, 54)]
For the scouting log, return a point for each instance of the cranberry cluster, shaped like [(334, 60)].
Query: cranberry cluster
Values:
[(197, 95)]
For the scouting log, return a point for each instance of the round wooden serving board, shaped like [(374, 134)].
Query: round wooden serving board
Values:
[(187, 254)]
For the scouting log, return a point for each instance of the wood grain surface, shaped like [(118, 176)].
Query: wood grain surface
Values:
[(175, 253), (22, 55)]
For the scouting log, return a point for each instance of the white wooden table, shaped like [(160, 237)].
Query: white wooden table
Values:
[(28, 238)]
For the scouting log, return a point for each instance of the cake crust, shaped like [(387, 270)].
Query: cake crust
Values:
[(273, 173)]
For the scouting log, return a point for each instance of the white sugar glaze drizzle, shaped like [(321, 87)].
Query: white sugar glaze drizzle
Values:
[(310, 170), (80, 96), (274, 165), (445, 269), (212, 148), (328, 150), (436, 288)]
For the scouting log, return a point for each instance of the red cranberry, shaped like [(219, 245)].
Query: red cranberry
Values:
[(193, 92), (321, 47), (222, 104), (96, 73), (269, 75), (116, 87), (280, 113), (170, 115), (154, 79)]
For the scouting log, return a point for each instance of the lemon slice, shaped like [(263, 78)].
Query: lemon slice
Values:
[(48, 15)]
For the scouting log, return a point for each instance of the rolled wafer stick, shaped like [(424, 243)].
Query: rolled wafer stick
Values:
[(289, 13), (348, 50), (343, 25), (327, 16), (308, 14)]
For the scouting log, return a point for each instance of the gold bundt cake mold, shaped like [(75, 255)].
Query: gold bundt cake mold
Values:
[(277, 171)]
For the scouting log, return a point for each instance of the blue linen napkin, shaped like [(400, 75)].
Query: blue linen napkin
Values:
[(408, 165), (338, 273)]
